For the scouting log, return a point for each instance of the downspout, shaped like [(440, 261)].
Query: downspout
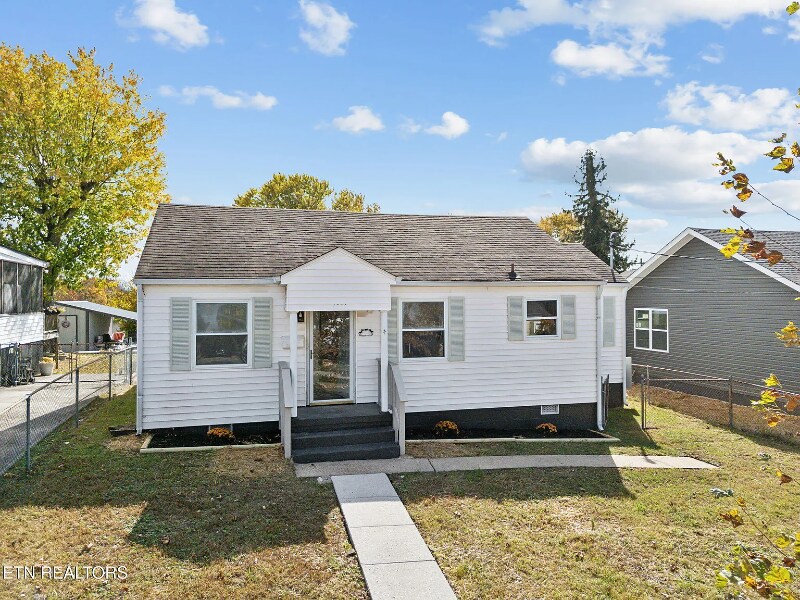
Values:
[(139, 356), (624, 342), (598, 353)]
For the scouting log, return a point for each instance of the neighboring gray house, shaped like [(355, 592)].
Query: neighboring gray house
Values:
[(339, 325), (81, 322), (693, 310)]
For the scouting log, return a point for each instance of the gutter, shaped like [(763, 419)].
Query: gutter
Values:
[(598, 351)]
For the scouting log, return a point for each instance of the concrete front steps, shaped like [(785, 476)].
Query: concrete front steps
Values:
[(342, 432)]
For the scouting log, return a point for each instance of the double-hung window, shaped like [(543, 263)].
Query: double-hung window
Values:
[(222, 332), (541, 317), (423, 329), (651, 331)]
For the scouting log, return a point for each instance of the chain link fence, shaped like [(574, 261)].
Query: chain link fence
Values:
[(717, 400), (46, 407)]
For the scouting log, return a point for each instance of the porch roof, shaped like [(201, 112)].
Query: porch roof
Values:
[(218, 242)]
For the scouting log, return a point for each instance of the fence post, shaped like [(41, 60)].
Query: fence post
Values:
[(28, 433), (77, 393), (730, 402), (110, 359), (130, 365), (645, 396)]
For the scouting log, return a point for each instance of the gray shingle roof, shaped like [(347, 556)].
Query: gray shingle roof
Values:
[(786, 242), (198, 242)]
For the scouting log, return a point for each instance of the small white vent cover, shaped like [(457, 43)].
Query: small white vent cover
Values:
[(550, 409)]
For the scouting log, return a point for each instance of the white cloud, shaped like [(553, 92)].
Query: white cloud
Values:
[(409, 126), (663, 168), (714, 54), (361, 118), (327, 30), (190, 95), (452, 126), (618, 30), (533, 212), (637, 226), (769, 30), (729, 108), (606, 16), (169, 24), (609, 59), (502, 137), (794, 26)]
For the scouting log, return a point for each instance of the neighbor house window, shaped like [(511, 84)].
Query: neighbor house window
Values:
[(10, 288), (221, 333), (651, 331), (541, 317), (423, 329)]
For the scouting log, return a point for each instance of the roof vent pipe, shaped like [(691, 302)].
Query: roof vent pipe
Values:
[(512, 274)]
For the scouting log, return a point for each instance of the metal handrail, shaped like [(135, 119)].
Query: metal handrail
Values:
[(285, 404), (397, 400)]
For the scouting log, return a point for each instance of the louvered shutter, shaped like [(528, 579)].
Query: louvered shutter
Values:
[(180, 334), (516, 318), (609, 321), (393, 320), (262, 333), (455, 328), (568, 322)]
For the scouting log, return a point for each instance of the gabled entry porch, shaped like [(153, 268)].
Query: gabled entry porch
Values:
[(339, 304)]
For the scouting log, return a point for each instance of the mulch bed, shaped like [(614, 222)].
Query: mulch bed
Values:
[(180, 439), (426, 434)]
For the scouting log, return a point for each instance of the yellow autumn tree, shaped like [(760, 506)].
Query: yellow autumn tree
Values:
[(80, 170), (300, 190), (562, 226)]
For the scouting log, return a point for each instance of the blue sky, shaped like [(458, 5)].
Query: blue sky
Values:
[(455, 107)]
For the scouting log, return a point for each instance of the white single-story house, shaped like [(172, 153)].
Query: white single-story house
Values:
[(340, 326), (21, 314), (82, 322), (22, 322)]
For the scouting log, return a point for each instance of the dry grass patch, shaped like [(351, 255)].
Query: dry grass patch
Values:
[(598, 533), (222, 524)]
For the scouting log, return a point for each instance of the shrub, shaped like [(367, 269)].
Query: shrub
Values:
[(221, 435), (445, 429), (547, 428)]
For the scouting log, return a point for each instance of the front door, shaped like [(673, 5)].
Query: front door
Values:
[(331, 357)]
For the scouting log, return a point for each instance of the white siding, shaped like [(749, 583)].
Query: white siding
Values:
[(337, 281), (496, 372), (368, 351), (612, 357), (207, 396), (22, 329)]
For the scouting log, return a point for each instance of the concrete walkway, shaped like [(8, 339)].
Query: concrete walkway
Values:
[(396, 563), (406, 464)]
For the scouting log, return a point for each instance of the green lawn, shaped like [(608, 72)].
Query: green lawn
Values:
[(217, 524), (238, 524), (598, 533)]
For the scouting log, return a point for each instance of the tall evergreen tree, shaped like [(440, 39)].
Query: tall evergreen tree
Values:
[(596, 217)]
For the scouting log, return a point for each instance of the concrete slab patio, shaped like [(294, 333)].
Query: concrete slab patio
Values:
[(395, 560), (480, 463)]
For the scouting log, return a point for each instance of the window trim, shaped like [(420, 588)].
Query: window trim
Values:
[(650, 330), (194, 334), (444, 327), (557, 318)]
